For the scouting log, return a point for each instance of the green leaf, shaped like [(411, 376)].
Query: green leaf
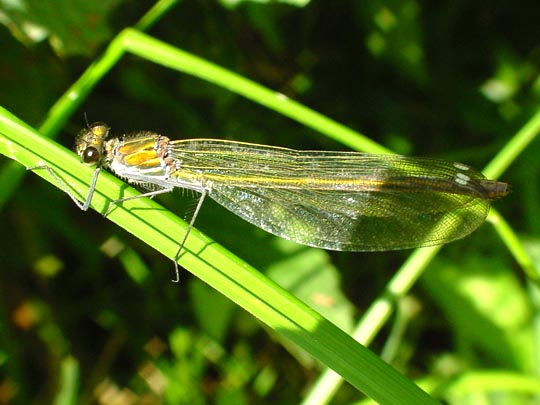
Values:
[(488, 308), (72, 27)]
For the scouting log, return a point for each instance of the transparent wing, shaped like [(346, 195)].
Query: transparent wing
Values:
[(339, 200), (351, 221)]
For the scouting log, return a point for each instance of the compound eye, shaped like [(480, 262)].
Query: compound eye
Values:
[(90, 155)]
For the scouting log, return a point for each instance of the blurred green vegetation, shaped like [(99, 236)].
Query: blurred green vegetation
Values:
[(89, 314)]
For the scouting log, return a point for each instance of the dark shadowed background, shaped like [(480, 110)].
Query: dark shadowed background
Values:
[(453, 80)]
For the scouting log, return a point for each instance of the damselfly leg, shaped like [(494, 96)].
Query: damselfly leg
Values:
[(82, 205)]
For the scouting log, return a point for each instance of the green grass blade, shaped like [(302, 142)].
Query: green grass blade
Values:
[(217, 267), (375, 318), (164, 54), (152, 16)]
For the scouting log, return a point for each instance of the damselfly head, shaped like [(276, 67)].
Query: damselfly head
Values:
[(89, 143)]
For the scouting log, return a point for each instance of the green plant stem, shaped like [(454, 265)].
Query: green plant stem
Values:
[(374, 319), (513, 148)]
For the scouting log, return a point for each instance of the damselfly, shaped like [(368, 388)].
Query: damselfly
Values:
[(346, 201)]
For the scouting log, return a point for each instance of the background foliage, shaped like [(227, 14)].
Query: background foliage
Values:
[(88, 311)]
